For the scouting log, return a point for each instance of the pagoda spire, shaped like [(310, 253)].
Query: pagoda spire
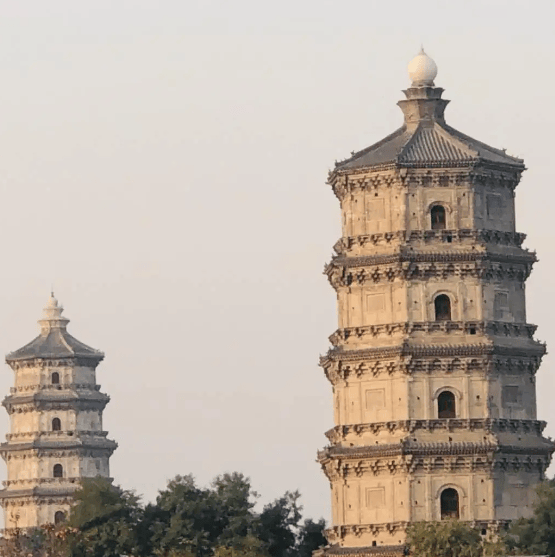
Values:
[(52, 316), (423, 105)]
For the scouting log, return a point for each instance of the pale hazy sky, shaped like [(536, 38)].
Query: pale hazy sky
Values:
[(163, 164)]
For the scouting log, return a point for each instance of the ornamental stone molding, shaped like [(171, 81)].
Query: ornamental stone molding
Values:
[(337, 533), (489, 425), (346, 183), (478, 238), (345, 371), (432, 449), (391, 268), (341, 337), (386, 464)]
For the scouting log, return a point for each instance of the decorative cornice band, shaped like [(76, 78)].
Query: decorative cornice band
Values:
[(494, 328), (339, 469), (69, 362), (451, 256), (353, 271), (66, 491), (55, 435), (339, 532), (378, 550), (483, 236), (37, 387), (346, 181), (405, 349), (340, 432), (83, 443), (41, 401), (433, 449)]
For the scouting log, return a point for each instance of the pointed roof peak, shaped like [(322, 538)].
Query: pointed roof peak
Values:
[(425, 139), (54, 341), (52, 311)]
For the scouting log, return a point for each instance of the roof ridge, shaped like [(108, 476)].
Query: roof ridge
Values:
[(66, 344), (408, 145), (82, 344), (466, 138), (463, 146)]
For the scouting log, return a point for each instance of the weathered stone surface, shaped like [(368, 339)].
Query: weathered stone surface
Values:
[(55, 410), (433, 363)]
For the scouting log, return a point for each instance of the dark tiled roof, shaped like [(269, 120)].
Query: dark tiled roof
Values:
[(430, 144), (435, 144), (55, 343)]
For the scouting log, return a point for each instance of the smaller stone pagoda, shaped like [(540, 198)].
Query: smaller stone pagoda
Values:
[(56, 435)]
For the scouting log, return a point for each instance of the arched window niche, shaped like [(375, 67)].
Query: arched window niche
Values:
[(438, 217), (446, 405), (58, 471), (59, 517), (55, 378), (449, 502), (442, 308), (56, 424)]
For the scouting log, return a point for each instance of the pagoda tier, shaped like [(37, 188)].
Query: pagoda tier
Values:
[(433, 363), (56, 435)]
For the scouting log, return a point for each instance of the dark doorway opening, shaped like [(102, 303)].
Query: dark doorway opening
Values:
[(442, 305), (449, 504), (438, 217), (59, 517), (446, 407)]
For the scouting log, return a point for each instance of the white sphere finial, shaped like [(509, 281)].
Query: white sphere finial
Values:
[(422, 70)]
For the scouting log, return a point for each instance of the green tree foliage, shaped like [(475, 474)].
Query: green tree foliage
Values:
[(310, 537), (278, 523), (107, 520), (187, 517), (186, 521), (449, 538), (536, 535), (249, 546)]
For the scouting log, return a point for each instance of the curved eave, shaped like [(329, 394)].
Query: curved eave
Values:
[(435, 146), (57, 344), (67, 397), (397, 164), (88, 444), (65, 491)]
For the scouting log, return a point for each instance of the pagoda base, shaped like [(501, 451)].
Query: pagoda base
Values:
[(381, 550)]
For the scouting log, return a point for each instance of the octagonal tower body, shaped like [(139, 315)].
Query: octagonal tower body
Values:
[(56, 436), (433, 364)]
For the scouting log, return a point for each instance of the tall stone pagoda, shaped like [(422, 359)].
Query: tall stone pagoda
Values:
[(433, 364), (56, 435)]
